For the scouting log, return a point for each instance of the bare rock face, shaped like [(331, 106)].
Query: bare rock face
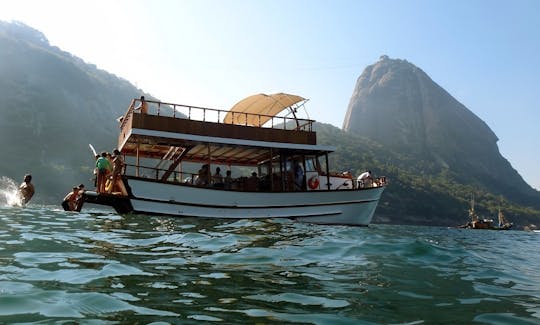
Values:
[(398, 105)]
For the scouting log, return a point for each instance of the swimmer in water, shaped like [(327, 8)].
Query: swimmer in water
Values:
[(26, 190)]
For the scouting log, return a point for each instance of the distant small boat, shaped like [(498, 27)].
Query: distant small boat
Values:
[(484, 223), (503, 223), (531, 228)]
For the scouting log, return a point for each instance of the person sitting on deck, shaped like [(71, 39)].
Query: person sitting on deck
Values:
[(228, 180), (364, 180), (203, 176), (217, 179), (252, 183)]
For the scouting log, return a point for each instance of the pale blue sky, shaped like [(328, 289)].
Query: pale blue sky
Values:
[(216, 52)]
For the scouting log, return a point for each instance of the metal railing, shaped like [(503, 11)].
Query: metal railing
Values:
[(217, 116), (188, 178), (157, 174)]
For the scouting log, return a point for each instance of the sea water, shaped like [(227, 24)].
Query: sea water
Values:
[(101, 268)]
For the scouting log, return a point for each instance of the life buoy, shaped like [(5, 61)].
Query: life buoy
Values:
[(313, 182)]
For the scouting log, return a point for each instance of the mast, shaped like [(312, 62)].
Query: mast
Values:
[(502, 221), (472, 213)]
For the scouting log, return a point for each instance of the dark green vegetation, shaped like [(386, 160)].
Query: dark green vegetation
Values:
[(421, 192), (442, 152), (53, 105)]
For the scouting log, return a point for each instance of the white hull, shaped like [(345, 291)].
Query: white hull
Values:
[(353, 207)]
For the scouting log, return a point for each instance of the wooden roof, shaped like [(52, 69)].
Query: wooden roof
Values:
[(163, 137)]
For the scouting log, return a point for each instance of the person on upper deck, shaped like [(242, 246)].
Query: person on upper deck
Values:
[(142, 107)]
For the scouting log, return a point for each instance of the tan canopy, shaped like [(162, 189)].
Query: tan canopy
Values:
[(258, 109)]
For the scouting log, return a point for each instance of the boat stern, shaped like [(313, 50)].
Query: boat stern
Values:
[(121, 204)]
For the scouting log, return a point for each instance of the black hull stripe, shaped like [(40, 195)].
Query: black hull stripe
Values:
[(247, 217), (212, 206)]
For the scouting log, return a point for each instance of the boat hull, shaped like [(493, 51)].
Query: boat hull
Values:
[(350, 207)]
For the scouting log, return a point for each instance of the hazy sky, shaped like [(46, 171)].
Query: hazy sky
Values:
[(216, 52)]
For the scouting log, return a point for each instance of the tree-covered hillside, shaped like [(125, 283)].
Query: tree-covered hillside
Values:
[(52, 106), (419, 192)]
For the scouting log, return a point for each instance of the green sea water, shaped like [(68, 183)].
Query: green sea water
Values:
[(102, 268)]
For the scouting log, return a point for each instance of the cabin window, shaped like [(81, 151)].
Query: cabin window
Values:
[(311, 164)]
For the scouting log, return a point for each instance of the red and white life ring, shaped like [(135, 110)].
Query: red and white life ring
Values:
[(313, 182)]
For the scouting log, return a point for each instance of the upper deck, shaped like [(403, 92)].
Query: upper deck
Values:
[(167, 124)]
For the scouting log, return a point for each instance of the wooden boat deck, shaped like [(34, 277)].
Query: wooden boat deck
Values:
[(152, 135)]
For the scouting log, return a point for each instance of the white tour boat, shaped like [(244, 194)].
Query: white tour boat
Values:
[(171, 153)]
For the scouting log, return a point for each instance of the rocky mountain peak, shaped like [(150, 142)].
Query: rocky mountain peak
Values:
[(398, 105)]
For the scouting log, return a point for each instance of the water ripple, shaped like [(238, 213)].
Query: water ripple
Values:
[(99, 267)]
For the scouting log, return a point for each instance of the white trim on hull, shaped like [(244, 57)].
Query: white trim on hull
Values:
[(353, 207)]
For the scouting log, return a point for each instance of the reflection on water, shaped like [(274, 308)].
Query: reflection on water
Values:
[(101, 267)]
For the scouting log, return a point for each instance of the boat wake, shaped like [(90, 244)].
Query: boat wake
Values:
[(9, 192)]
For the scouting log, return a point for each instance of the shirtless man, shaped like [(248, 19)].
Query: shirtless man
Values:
[(26, 190), (70, 201), (143, 106), (118, 165)]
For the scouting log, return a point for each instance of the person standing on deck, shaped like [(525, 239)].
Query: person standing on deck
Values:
[(102, 166), (118, 165), (142, 107)]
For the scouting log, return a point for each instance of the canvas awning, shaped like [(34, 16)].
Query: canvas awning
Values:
[(256, 110)]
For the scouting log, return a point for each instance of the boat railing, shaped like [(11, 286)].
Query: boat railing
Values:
[(189, 178), (158, 174), (241, 183), (183, 178), (374, 182), (204, 114)]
